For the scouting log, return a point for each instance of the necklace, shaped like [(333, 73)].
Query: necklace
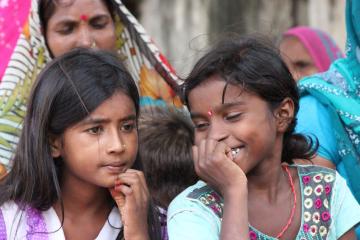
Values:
[(293, 208)]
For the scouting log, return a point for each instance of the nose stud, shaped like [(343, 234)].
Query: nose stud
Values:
[(210, 113), (93, 45), (124, 146)]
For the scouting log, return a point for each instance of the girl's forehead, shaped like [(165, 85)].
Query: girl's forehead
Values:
[(216, 94), (216, 87), (70, 7)]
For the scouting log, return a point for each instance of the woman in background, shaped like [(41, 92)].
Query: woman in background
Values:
[(307, 51)]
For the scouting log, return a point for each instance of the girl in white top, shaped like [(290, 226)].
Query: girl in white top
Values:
[(76, 151)]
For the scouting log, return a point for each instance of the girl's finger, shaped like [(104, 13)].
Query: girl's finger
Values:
[(223, 148), (124, 189), (210, 145), (133, 181), (195, 155), (202, 150), (141, 176)]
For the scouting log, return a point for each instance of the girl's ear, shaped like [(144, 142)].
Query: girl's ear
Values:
[(284, 114), (55, 145)]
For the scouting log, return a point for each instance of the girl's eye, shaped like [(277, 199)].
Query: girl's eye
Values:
[(233, 116), (201, 126), (66, 29), (95, 130), (99, 23), (128, 127), (302, 64)]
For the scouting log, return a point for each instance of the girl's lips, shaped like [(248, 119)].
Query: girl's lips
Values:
[(115, 168)]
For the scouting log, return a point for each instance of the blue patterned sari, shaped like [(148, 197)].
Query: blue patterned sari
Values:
[(338, 90)]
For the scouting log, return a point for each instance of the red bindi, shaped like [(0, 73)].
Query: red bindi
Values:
[(84, 17)]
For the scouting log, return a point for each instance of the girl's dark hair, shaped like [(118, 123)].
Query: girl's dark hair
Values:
[(65, 92), (168, 170), (255, 64)]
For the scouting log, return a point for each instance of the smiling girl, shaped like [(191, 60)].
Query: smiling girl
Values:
[(242, 100)]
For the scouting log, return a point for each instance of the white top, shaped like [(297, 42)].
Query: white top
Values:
[(17, 223)]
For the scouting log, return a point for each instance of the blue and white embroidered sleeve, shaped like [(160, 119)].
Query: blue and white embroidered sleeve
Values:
[(189, 219), (345, 210)]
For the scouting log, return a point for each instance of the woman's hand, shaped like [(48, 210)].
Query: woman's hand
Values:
[(132, 197), (214, 164)]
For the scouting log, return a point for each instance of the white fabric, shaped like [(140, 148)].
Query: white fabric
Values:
[(16, 223)]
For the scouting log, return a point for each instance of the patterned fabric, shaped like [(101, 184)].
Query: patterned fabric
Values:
[(2, 227), (316, 186), (339, 90), (162, 217), (36, 227), (27, 54), (209, 198), (320, 45), (28, 223)]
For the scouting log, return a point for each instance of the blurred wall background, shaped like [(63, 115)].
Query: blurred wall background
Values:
[(183, 29)]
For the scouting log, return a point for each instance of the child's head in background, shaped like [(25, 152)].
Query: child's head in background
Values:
[(165, 142)]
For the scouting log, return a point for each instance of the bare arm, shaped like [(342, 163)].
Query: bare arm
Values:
[(235, 215), (132, 197), (213, 163)]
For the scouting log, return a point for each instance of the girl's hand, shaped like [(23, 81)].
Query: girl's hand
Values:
[(214, 164), (132, 197)]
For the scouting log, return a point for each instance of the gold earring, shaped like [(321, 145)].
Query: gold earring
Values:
[(93, 45)]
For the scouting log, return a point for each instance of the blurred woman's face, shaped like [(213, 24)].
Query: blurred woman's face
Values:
[(80, 23), (297, 58)]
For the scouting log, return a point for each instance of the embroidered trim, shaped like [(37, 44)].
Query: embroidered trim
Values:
[(209, 198)]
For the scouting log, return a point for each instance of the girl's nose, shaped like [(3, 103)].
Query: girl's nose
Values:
[(116, 145), (217, 132), (85, 39)]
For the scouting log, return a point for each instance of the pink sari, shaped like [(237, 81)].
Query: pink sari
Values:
[(320, 45)]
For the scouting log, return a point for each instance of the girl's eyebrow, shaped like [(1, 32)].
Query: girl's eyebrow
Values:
[(99, 17), (231, 104), (97, 120), (70, 19)]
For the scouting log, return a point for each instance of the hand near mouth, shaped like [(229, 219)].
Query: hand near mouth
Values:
[(132, 198), (214, 164)]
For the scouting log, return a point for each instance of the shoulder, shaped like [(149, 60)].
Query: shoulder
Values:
[(198, 198), (315, 169), (309, 104), (197, 210), (312, 114), (182, 200), (10, 208), (12, 219)]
